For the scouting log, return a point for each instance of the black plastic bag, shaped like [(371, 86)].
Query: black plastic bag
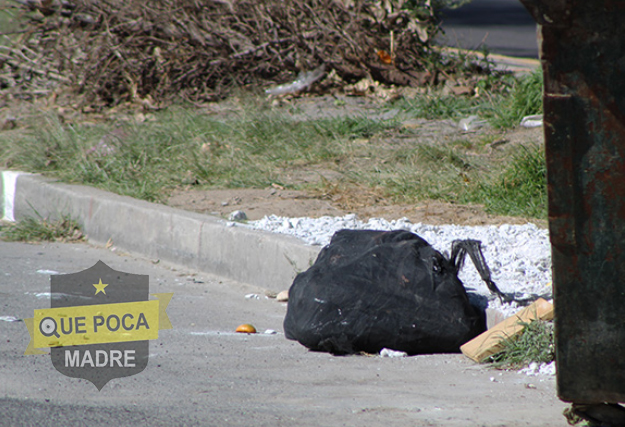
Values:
[(370, 290)]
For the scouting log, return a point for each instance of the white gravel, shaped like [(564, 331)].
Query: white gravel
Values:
[(543, 369), (519, 256)]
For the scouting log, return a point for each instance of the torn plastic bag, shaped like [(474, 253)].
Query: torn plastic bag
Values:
[(370, 290)]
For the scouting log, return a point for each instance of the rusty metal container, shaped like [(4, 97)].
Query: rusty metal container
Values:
[(582, 46)]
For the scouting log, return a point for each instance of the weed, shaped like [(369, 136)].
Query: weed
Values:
[(438, 106), (255, 147), (34, 229), (182, 148), (10, 20), (525, 99), (522, 187), (353, 127), (534, 344)]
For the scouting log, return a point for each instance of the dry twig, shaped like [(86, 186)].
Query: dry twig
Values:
[(113, 51)]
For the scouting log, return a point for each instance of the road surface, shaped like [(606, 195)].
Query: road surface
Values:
[(503, 26), (202, 373)]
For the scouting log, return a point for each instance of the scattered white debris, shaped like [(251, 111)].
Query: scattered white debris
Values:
[(532, 121), (10, 319), (55, 295), (202, 333), (471, 123), (252, 296), (387, 352), (41, 294), (237, 216), (47, 272), (535, 369), (268, 332), (302, 82), (283, 296)]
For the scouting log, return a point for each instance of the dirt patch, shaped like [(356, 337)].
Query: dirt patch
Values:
[(257, 203), (290, 203)]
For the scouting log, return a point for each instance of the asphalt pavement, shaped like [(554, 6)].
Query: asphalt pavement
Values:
[(503, 27), (203, 373)]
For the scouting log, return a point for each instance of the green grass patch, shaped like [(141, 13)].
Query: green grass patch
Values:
[(525, 99), (521, 190), (428, 171), (534, 344), (256, 146), (440, 106), (503, 101), (180, 148), (453, 173), (12, 21), (8, 15), (36, 229)]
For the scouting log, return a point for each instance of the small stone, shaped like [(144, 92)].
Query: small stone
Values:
[(237, 216), (387, 352), (282, 296)]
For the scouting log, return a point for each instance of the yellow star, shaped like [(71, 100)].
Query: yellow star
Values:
[(100, 287)]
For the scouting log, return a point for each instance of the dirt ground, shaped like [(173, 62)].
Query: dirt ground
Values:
[(289, 203), (257, 203)]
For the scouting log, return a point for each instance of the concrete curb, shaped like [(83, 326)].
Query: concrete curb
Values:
[(189, 239)]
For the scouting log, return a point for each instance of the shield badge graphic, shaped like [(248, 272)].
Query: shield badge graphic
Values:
[(100, 323)]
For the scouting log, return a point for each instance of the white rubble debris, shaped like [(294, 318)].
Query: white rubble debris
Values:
[(237, 216), (539, 369), (387, 352), (519, 256), (532, 121), (42, 271)]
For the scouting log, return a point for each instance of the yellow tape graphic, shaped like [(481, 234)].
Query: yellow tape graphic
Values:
[(98, 324)]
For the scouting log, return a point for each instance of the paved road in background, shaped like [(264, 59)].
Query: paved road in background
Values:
[(504, 26), (202, 373)]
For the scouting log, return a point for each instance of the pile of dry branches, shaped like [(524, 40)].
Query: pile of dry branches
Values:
[(113, 51)]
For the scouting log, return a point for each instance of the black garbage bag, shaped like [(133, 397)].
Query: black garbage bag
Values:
[(370, 290)]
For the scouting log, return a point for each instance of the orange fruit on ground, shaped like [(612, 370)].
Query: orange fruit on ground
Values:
[(246, 328)]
